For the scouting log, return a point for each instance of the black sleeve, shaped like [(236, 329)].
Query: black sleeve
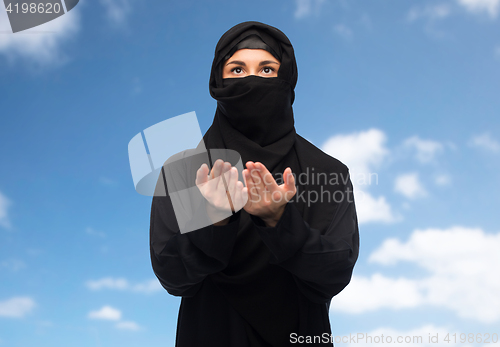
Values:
[(321, 261), (181, 261)]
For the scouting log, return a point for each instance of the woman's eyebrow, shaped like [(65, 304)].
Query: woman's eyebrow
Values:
[(242, 63)]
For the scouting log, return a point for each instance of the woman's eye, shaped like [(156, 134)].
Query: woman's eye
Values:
[(236, 70), (268, 70)]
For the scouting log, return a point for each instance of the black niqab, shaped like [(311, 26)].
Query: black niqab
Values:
[(256, 111)]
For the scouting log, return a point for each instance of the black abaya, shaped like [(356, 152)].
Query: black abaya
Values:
[(246, 284)]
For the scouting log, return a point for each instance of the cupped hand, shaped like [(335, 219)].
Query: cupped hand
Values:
[(267, 199), (221, 189)]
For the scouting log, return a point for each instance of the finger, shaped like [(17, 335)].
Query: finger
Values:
[(249, 163), (289, 185), (226, 166), (231, 193), (267, 177), (250, 187), (260, 188), (226, 174), (216, 174), (244, 195), (217, 168), (235, 196), (240, 199), (202, 174), (233, 178), (255, 176), (244, 191), (244, 176)]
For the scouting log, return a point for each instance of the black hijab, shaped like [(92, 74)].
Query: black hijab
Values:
[(254, 116)]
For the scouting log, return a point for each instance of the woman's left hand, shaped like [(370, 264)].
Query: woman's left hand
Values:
[(267, 199)]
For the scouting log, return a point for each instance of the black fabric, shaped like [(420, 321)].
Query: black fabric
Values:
[(252, 42), (245, 284), (257, 111), (259, 108)]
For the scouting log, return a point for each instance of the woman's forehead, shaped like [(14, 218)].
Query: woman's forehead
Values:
[(252, 54)]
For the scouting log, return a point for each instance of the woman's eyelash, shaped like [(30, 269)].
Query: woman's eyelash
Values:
[(265, 67)]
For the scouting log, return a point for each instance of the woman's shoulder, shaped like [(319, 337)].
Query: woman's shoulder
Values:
[(314, 156)]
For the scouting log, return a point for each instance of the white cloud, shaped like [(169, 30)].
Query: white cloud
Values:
[(481, 6), (486, 142), (128, 325), (369, 294), (432, 12), (425, 336), (363, 152), (106, 313), (442, 180), (117, 11), (146, 287), (431, 17), (108, 283), (439, 11), (12, 264), (112, 314), (40, 45), (307, 7), (4, 205), (461, 263), (425, 150), (16, 307), (370, 209), (410, 186), (343, 31)]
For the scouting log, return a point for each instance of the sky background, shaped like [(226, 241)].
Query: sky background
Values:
[(403, 92)]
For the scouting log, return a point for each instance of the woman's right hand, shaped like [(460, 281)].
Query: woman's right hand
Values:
[(222, 190)]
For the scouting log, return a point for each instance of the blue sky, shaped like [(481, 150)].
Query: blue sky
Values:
[(401, 91)]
